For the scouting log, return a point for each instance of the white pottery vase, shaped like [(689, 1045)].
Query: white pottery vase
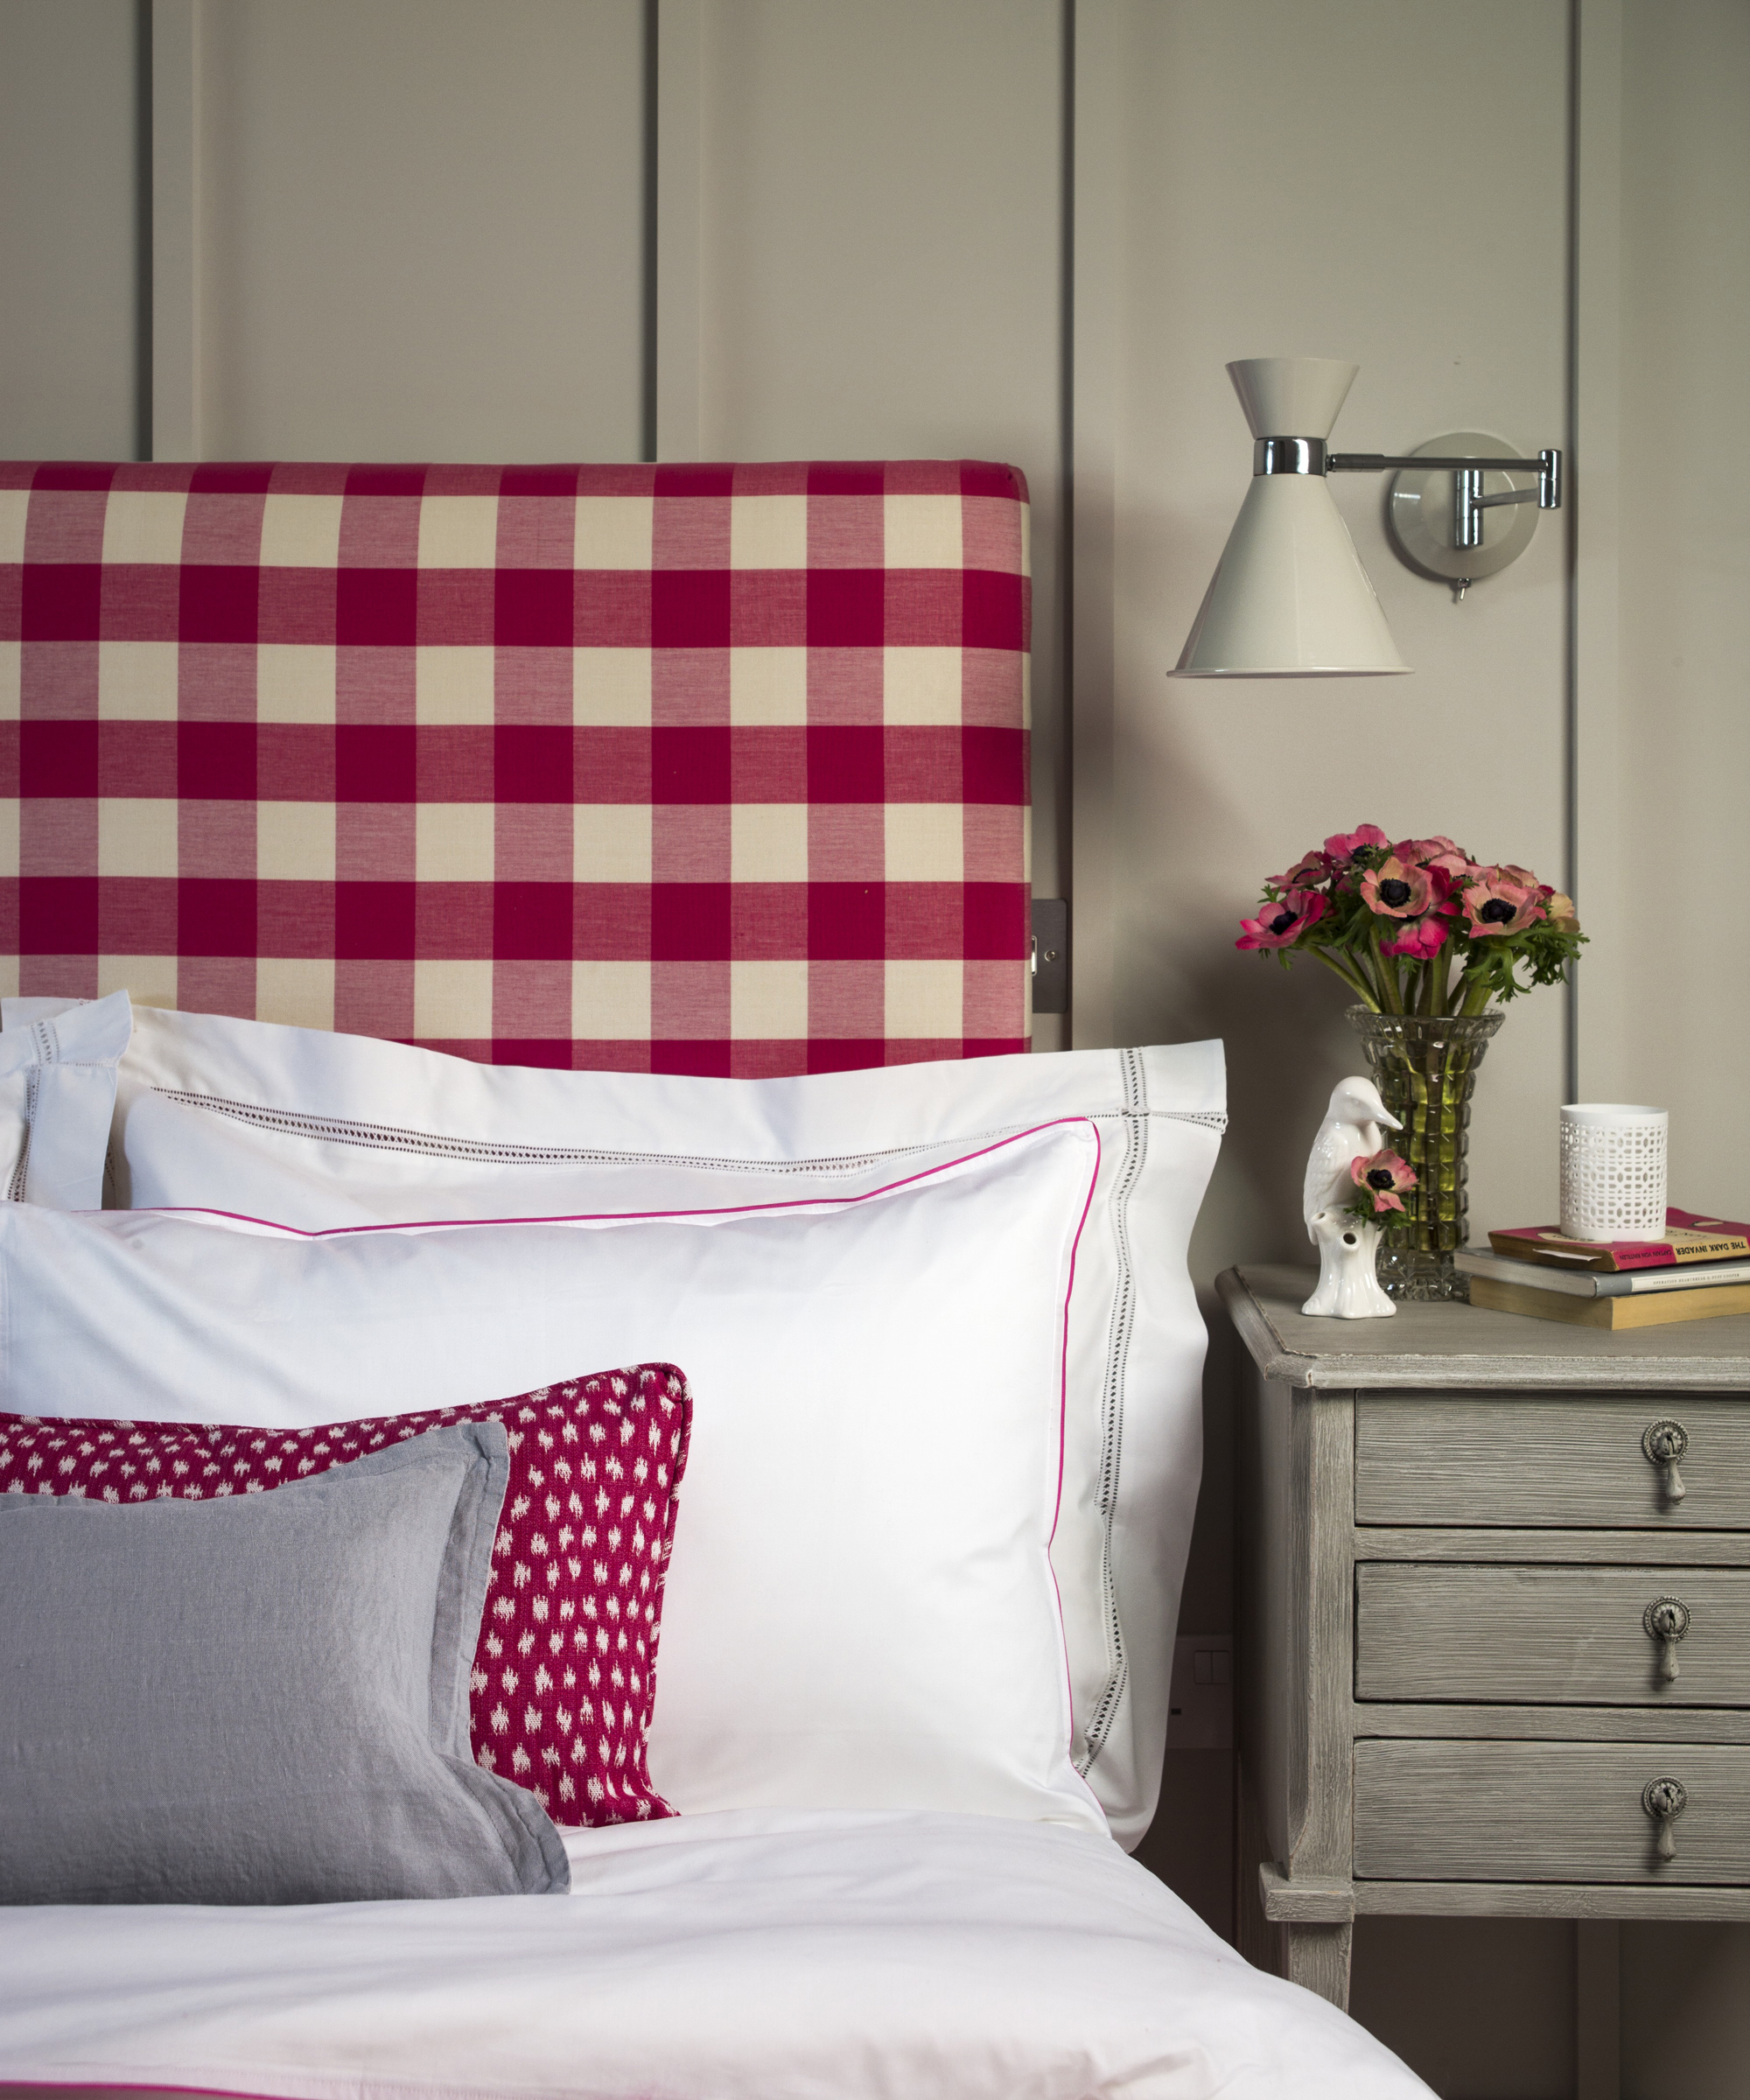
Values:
[(1349, 1288)]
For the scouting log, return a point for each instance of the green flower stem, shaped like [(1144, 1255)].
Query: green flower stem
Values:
[(1476, 995), (1387, 975)]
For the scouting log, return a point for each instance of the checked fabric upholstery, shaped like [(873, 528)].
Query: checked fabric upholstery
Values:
[(711, 769)]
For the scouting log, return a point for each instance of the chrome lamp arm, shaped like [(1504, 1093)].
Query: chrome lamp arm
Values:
[(1468, 500)]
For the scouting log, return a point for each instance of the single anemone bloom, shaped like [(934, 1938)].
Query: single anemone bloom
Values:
[(1344, 845), (1560, 908), (1495, 905), (1385, 1178), (1310, 867), (1397, 891), (1436, 852), (1420, 939), (1281, 923)]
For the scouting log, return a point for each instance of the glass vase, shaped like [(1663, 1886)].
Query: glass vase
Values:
[(1424, 1067)]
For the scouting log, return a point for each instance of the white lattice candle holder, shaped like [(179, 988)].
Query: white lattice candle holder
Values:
[(1614, 1171)]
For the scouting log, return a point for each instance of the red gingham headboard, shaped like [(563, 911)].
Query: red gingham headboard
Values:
[(716, 769)]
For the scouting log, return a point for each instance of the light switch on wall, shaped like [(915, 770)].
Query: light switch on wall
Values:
[(1202, 1706)]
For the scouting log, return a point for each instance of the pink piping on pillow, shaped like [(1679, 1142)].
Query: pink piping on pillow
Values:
[(1068, 1293), (1063, 1422), (787, 1204)]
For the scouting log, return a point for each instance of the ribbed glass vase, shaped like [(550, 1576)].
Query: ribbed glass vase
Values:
[(1424, 1067)]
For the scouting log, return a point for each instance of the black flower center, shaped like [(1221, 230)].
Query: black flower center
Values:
[(1282, 921), (1394, 893), (1496, 911), (1379, 1177)]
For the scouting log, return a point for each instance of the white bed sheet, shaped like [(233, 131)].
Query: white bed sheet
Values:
[(751, 1955)]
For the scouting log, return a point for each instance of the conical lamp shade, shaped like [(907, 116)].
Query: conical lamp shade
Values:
[(1291, 396), (1289, 598)]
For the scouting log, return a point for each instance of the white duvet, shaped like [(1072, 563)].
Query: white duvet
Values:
[(746, 1956)]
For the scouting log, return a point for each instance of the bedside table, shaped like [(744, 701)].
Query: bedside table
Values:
[(1494, 1647)]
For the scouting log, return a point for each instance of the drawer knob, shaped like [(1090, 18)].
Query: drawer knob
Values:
[(1664, 1443), (1665, 1800), (1667, 1620)]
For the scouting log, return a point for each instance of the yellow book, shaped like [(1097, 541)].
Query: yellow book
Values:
[(1651, 1309)]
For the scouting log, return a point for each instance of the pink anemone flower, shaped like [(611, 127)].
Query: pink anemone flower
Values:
[(1344, 845), (1493, 903), (1310, 867), (1435, 853), (1384, 1177), (1397, 891), (1280, 924), (1420, 939)]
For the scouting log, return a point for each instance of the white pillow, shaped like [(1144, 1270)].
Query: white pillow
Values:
[(58, 1098), (305, 1128), (860, 1612)]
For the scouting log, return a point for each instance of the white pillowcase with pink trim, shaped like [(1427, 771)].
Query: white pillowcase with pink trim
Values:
[(860, 1610), (308, 1128)]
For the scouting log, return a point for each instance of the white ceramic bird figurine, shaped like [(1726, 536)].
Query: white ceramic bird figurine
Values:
[(1351, 1125)]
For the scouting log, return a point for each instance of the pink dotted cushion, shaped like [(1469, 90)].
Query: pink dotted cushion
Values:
[(564, 1673)]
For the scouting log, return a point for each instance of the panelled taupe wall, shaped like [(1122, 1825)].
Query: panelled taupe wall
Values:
[(565, 229)]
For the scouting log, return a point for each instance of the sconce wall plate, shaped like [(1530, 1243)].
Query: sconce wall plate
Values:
[(1420, 515)]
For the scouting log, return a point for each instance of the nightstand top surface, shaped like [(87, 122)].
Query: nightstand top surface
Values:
[(1460, 1346)]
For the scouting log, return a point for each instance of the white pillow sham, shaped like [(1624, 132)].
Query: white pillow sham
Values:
[(305, 1128), (860, 1612), (58, 1069)]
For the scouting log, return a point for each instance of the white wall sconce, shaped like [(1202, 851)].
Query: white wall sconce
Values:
[(1289, 598)]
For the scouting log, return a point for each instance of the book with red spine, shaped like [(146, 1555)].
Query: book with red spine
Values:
[(1690, 1236)]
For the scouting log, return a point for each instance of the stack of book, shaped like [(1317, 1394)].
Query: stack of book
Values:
[(1698, 1271)]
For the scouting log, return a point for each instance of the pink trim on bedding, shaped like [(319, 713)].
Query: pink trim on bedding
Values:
[(1062, 1440), (1068, 1293), (788, 1204)]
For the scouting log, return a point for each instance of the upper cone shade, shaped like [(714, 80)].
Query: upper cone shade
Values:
[(1289, 598), (1291, 396)]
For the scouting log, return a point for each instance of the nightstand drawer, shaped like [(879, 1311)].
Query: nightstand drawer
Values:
[(1552, 1636), (1559, 1459), (1486, 1811)]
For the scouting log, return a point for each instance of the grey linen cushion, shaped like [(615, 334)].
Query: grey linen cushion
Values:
[(261, 1698)]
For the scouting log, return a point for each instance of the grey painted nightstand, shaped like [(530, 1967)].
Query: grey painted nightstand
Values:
[(1494, 1652)]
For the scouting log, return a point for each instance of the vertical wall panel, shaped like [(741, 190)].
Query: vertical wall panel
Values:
[(1098, 195), (70, 265), (1674, 974), (422, 232), (1293, 186), (680, 32), (881, 259), (1386, 182), (1686, 580), (1594, 520), (177, 254)]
